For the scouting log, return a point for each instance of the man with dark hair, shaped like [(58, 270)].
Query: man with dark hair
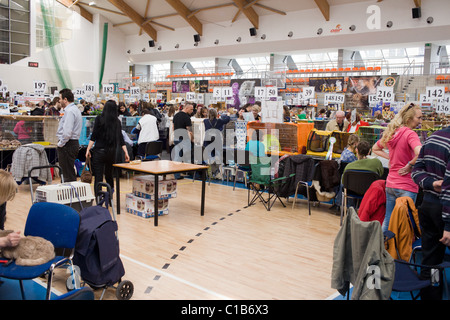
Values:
[(183, 135), (68, 134), (432, 173)]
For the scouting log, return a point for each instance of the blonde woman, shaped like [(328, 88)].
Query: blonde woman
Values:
[(404, 146), (8, 189)]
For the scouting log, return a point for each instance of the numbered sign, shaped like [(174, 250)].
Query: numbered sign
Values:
[(385, 94), (79, 92), (260, 92), (89, 88), (190, 96), (217, 93), (443, 105), (39, 86), (309, 93), (434, 93), (227, 92), (135, 91), (334, 98), (271, 92), (108, 88), (372, 98)]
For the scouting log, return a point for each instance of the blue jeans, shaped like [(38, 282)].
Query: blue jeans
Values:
[(391, 196)]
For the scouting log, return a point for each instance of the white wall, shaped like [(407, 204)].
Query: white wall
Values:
[(304, 25), (81, 57)]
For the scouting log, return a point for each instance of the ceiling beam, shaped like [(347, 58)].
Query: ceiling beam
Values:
[(324, 7), (185, 13), (102, 9), (83, 12), (135, 17), (146, 14), (249, 12)]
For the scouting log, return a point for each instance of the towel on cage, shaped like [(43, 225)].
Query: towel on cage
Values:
[(29, 156)]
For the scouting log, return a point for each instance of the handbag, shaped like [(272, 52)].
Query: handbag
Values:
[(86, 174)]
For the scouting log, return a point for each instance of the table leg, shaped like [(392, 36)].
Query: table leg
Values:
[(156, 199), (202, 207), (118, 170)]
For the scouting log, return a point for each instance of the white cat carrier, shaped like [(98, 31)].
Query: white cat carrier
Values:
[(70, 193)]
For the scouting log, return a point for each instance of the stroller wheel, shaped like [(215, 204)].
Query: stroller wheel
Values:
[(124, 290)]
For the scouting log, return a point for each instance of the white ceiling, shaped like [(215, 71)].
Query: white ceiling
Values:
[(157, 9)]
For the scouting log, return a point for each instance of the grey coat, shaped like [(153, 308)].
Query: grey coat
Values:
[(358, 252)]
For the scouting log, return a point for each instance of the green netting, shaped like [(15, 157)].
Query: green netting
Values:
[(105, 41), (57, 54)]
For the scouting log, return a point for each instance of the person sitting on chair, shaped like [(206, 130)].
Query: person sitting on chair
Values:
[(8, 188), (363, 163)]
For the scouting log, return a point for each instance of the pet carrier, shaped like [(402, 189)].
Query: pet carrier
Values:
[(76, 194)]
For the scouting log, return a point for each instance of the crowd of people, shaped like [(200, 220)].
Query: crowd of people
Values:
[(411, 165)]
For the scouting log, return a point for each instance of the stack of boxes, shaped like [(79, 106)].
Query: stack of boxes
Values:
[(141, 200)]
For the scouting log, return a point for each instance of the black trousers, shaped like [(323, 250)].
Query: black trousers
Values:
[(432, 227), (2, 216), (102, 164), (66, 158)]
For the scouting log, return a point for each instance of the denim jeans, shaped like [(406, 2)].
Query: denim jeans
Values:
[(391, 196)]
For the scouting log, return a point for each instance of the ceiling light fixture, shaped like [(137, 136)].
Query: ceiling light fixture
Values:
[(92, 3)]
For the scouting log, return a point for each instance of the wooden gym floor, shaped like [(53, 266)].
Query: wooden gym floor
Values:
[(232, 252)]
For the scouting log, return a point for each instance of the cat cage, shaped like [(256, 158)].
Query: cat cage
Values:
[(76, 194), (16, 130), (282, 138)]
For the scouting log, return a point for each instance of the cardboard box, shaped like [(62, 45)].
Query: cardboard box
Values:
[(145, 207), (144, 187)]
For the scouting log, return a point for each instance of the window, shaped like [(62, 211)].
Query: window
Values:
[(14, 30), (59, 22)]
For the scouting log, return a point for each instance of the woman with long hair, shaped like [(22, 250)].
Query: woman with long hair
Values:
[(404, 146), (106, 135)]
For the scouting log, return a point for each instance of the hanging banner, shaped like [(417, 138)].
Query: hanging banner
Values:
[(327, 84)]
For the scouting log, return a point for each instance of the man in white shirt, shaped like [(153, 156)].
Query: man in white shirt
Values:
[(68, 135), (148, 130)]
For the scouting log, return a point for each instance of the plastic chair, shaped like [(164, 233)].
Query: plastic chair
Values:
[(153, 150), (56, 223), (355, 184)]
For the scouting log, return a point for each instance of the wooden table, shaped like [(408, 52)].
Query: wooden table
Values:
[(158, 168)]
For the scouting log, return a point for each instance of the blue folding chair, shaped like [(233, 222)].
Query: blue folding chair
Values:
[(56, 223)]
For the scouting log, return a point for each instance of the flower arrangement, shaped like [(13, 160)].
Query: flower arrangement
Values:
[(96, 110)]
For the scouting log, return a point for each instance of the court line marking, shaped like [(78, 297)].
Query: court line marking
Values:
[(177, 278)]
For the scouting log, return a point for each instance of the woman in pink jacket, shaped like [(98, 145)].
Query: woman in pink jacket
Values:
[(404, 146)]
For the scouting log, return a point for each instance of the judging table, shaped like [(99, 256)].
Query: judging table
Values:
[(160, 168)]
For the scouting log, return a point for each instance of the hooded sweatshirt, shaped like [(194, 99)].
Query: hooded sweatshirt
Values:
[(401, 151)]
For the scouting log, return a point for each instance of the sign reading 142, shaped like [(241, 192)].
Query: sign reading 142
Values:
[(435, 93)]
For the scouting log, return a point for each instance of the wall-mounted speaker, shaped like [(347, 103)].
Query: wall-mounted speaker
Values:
[(252, 32), (416, 13), (151, 43), (196, 37)]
